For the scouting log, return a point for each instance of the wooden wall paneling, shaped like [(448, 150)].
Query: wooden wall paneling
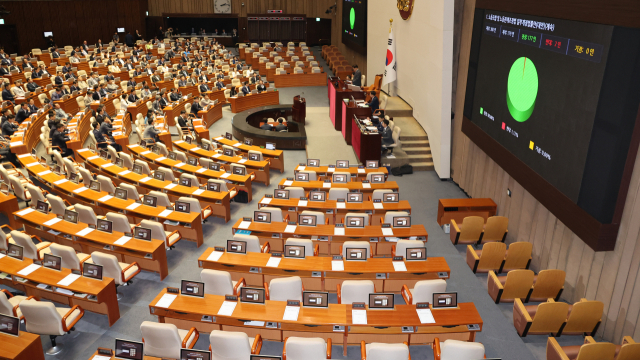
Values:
[(572, 266), (517, 194), (538, 233), (554, 254), (595, 275), (585, 264), (631, 325), (545, 250), (628, 303)]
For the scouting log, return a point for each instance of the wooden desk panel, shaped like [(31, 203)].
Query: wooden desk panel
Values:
[(173, 111), (348, 111), (458, 209), (382, 325), (209, 117), (114, 358), (189, 225), (239, 104), (352, 185), (219, 201), (150, 255), (276, 156), (9, 204), (367, 146), (105, 291), (27, 346), (242, 182), (290, 80), (323, 235), (317, 274), (353, 170), (259, 168)]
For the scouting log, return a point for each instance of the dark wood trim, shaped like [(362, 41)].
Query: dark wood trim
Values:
[(610, 12), (191, 15), (628, 171)]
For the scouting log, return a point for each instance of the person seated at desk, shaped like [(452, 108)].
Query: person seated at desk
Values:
[(26, 65), (106, 129), (266, 126), (132, 97), (195, 107), (17, 90), (60, 114), (145, 91), (203, 87), (94, 80), (183, 121), (154, 79), (131, 83), (374, 104), (281, 126), (102, 141), (206, 101), (234, 91), (9, 126), (151, 133), (31, 85), (59, 79), (73, 86), (109, 76), (219, 84), (386, 134), (32, 107), (6, 93), (59, 139), (57, 95), (23, 113), (245, 89), (255, 78), (124, 103), (55, 54), (182, 82), (174, 95), (261, 87), (96, 95)]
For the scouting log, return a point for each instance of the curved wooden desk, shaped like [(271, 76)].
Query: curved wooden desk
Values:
[(150, 255), (329, 243), (293, 207), (26, 346), (317, 274), (353, 170), (352, 185), (239, 104), (219, 201), (309, 79), (242, 182), (189, 225), (275, 156), (105, 301), (259, 168), (382, 325)]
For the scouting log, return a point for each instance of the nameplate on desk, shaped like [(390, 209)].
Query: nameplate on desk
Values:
[(337, 257), (276, 254), (172, 290), (358, 305), (230, 298), (221, 248), (105, 352)]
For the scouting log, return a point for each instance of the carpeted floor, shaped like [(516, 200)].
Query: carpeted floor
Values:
[(422, 189)]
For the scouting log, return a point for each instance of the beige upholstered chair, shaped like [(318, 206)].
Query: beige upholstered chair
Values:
[(58, 205), (337, 193), (218, 282), (303, 348), (309, 248), (121, 273), (286, 288), (455, 349), (9, 303), (228, 345), (383, 351), (120, 222), (165, 340), (70, 259), (400, 248), (423, 291), (31, 251), (170, 238), (194, 206), (295, 192), (355, 291), (44, 318), (253, 243)]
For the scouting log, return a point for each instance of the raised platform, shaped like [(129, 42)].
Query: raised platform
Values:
[(246, 124)]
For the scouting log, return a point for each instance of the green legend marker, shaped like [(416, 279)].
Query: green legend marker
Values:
[(522, 89), (352, 17)]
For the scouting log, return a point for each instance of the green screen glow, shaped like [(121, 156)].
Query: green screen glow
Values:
[(522, 89), (352, 17)]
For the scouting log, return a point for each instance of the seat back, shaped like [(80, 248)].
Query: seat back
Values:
[(216, 282), (286, 288), (355, 245), (132, 192), (110, 266), (371, 174), (518, 284), (295, 192), (548, 284), (18, 190), (276, 213), (112, 152), (320, 220), (471, 229), (492, 256), (168, 174), (6, 308), (312, 174), (86, 214), (145, 166), (120, 222), (379, 194), (584, 316), (423, 290), (229, 345), (253, 242), (157, 231), (223, 185), (41, 317), (161, 340), (192, 178), (126, 160), (86, 175), (549, 317), (308, 245), (629, 351), (518, 256), (495, 229), (389, 215), (597, 351), (337, 193), (403, 245), (35, 192), (58, 206), (30, 250), (106, 184), (356, 291), (163, 199), (348, 216), (67, 254), (194, 204), (455, 349), (162, 149), (302, 348)]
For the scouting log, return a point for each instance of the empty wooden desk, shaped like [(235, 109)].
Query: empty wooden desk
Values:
[(150, 255), (276, 156), (349, 109), (317, 273), (93, 295), (242, 103), (458, 209), (329, 237), (353, 170), (290, 80), (351, 185), (366, 143), (9, 204), (27, 346)]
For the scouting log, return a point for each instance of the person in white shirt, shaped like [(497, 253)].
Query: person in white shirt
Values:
[(17, 90), (233, 74), (205, 101), (74, 59), (124, 103), (82, 84)]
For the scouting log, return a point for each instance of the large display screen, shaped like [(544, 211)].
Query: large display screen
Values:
[(537, 89), (354, 23)]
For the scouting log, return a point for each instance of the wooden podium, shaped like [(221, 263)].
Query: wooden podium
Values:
[(348, 111), (299, 109)]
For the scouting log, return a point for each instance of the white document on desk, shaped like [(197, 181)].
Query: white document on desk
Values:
[(165, 213), (161, 158), (68, 280), (44, 173), (217, 155), (124, 172), (106, 165), (378, 206), (359, 317), (145, 152), (337, 265), (273, 262), (338, 231), (93, 157), (290, 228), (79, 190), (195, 149), (244, 225), (387, 231), (133, 206), (170, 186), (301, 168), (25, 211), (361, 171), (28, 270), (242, 161), (288, 183), (166, 300), (225, 175), (366, 185), (291, 313), (52, 221), (100, 357), (214, 256), (302, 202), (123, 240), (265, 201), (341, 205), (326, 185), (331, 169), (426, 316), (84, 231), (236, 145), (219, 138), (180, 164), (201, 170), (198, 192), (399, 266), (144, 179), (105, 198), (61, 181), (227, 308)]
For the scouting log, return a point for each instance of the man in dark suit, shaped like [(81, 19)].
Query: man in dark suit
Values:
[(266, 126), (280, 125), (31, 85), (357, 76), (99, 44), (174, 95), (59, 79), (32, 107), (6, 93), (9, 126), (203, 87), (183, 122), (4, 68), (128, 39), (387, 135), (23, 113), (260, 87), (374, 104), (109, 77), (59, 139), (96, 93), (102, 142), (55, 54), (182, 82), (245, 89), (74, 86), (85, 47), (132, 97), (66, 68), (195, 107), (219, 84)]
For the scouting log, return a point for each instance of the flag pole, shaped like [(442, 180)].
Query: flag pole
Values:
[(389, 84)]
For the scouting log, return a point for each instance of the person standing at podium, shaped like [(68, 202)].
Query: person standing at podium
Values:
[(357, 76)]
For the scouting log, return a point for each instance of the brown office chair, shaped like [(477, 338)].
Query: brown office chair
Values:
[(491, 257), (628, 350), (548, 317), (515, 285), (470, 231)]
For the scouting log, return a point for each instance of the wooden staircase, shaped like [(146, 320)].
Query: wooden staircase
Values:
[(418, 151)]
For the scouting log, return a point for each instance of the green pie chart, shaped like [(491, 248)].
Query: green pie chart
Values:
[(352, 17), (522, 89)]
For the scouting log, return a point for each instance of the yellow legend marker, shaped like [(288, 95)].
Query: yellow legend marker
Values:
[(531, 145)]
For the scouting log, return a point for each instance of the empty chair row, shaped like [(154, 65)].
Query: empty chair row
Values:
[(526, 286), (557, 318), (495, 257), (473, 230), (628, 350)]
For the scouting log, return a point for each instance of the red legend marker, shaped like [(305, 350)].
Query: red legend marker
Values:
[(503, 126)]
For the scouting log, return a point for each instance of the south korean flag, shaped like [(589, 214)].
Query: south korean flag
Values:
[(390, 62)]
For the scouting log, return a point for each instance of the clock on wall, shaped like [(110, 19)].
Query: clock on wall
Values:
[(406, 8), (222, 6)]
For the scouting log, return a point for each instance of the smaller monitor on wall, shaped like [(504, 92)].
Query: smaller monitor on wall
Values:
[(48, 33), (120, 30)]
